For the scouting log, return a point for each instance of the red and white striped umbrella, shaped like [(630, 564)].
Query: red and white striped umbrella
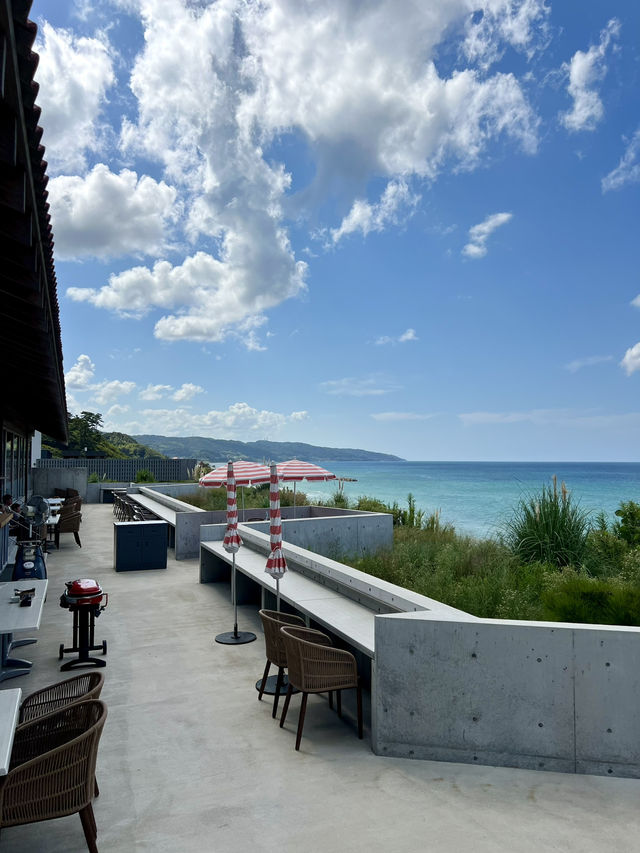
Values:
[(276, 564), (232, 540), (245, 473), (295, 469)]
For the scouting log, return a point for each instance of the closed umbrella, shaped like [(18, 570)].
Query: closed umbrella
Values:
[(231, 543), (295, 470), (276, 563), (245, 473)]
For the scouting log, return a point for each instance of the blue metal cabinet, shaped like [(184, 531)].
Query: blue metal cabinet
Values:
[(139, 545)]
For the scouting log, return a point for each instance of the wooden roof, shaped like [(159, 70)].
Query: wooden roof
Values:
[(32, 396)]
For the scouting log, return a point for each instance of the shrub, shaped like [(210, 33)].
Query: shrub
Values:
[(628, 529), (548, 528), (144, 476), (605, 551), (578, 598), (93, 478)]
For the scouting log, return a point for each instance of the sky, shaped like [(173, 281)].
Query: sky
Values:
[(400, 226)]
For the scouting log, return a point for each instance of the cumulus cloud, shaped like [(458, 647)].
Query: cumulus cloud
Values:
[(75, 75), (217, 84), (400, 416), (585, 71), (409, 335), (589, 361), (239, 421), (352, 387), (365, 217), (104, 392), (105, 215), (631, 360), (186, 391), (628, 169), (479, 234), (154, 392), (81, 374)]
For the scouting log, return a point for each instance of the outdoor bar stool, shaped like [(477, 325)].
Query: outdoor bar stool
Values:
[(272, 621), (316, 667)]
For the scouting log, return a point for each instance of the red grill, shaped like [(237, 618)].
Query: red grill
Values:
[(83, 592), (83, 597)]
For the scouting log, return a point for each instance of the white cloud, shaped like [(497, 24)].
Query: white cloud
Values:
[(186, 391), (378, 108), (589, 361), (239, 421), (631, 360), (479, 234), (107, 215), (585, 71), (74, 76), (104, 392), (400, 416), (628, 169), (365, 217), (154, 392), (555, 418), (409, 335), (351, 387), (81, 374), (522, 25)]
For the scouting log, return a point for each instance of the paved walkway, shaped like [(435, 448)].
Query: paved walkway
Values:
[(190, 762)]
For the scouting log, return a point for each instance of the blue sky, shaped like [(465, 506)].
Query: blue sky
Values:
[(405, 227)]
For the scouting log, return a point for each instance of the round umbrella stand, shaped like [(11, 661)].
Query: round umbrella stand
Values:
[(270, 688), (236, 638)]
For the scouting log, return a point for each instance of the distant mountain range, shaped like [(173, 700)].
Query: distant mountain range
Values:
[(220, 450)]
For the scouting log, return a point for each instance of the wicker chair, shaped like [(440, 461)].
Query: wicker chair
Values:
[(53, 764), (76, 689), (315, 667), (70, 518), (272, 621)]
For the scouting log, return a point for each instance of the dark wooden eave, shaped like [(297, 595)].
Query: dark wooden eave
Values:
[(33, 392)]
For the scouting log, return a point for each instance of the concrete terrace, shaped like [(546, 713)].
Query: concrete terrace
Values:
[(190, 762)]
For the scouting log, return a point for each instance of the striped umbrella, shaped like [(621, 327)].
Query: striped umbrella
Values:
[(295, 470), (245, 473), (231, 543), (276, 563)]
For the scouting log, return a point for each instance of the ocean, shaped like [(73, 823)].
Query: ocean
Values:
[(477, 497)]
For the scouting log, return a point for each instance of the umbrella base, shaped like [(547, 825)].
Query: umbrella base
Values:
[(235, 638), (270, 687)]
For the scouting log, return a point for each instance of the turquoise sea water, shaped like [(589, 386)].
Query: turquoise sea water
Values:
[(476, 497)]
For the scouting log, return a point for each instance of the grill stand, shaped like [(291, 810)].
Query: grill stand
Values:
[(83, 638)]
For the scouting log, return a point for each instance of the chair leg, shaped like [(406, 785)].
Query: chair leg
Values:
[(339, 696), (77, 538), (96, 790), (279, 681), (359, 694), (264, 680), (331, 699), (88, 824), (303, 710), (287, 699)]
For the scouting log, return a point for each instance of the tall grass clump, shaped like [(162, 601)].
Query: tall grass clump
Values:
[(548, 527)]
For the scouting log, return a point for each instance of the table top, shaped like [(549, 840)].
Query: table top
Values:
[(16, 618), (9, 707)]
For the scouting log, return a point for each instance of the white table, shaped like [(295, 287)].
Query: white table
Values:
[(16, 618), (9, 708)]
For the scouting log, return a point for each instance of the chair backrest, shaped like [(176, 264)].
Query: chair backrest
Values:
[(53, 764), (87, 685), (308, 654), (272, 621)]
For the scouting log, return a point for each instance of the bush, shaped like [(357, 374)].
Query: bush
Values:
[(578, 598), (144, 476), (628, 529), (548, 528), (605, 552), (93, 478)]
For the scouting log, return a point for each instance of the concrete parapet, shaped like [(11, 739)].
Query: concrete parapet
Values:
[(536, 695)]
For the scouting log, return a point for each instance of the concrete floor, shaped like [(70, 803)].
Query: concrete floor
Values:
[(190, 762)]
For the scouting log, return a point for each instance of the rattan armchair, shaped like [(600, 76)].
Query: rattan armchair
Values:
[(272, 621), (315, 667), (69, 521), (52, 769), (87, 685)]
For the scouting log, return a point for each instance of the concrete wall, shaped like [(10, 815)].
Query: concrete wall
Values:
[(537, 695), (45, 480), (333, 536)]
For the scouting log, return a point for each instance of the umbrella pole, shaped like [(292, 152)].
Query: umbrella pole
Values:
[(235, 637), (294, 499), (278, 594)]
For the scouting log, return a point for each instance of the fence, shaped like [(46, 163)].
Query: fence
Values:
[(125, 470)]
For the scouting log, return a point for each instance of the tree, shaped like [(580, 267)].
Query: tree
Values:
[(84, 431)]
